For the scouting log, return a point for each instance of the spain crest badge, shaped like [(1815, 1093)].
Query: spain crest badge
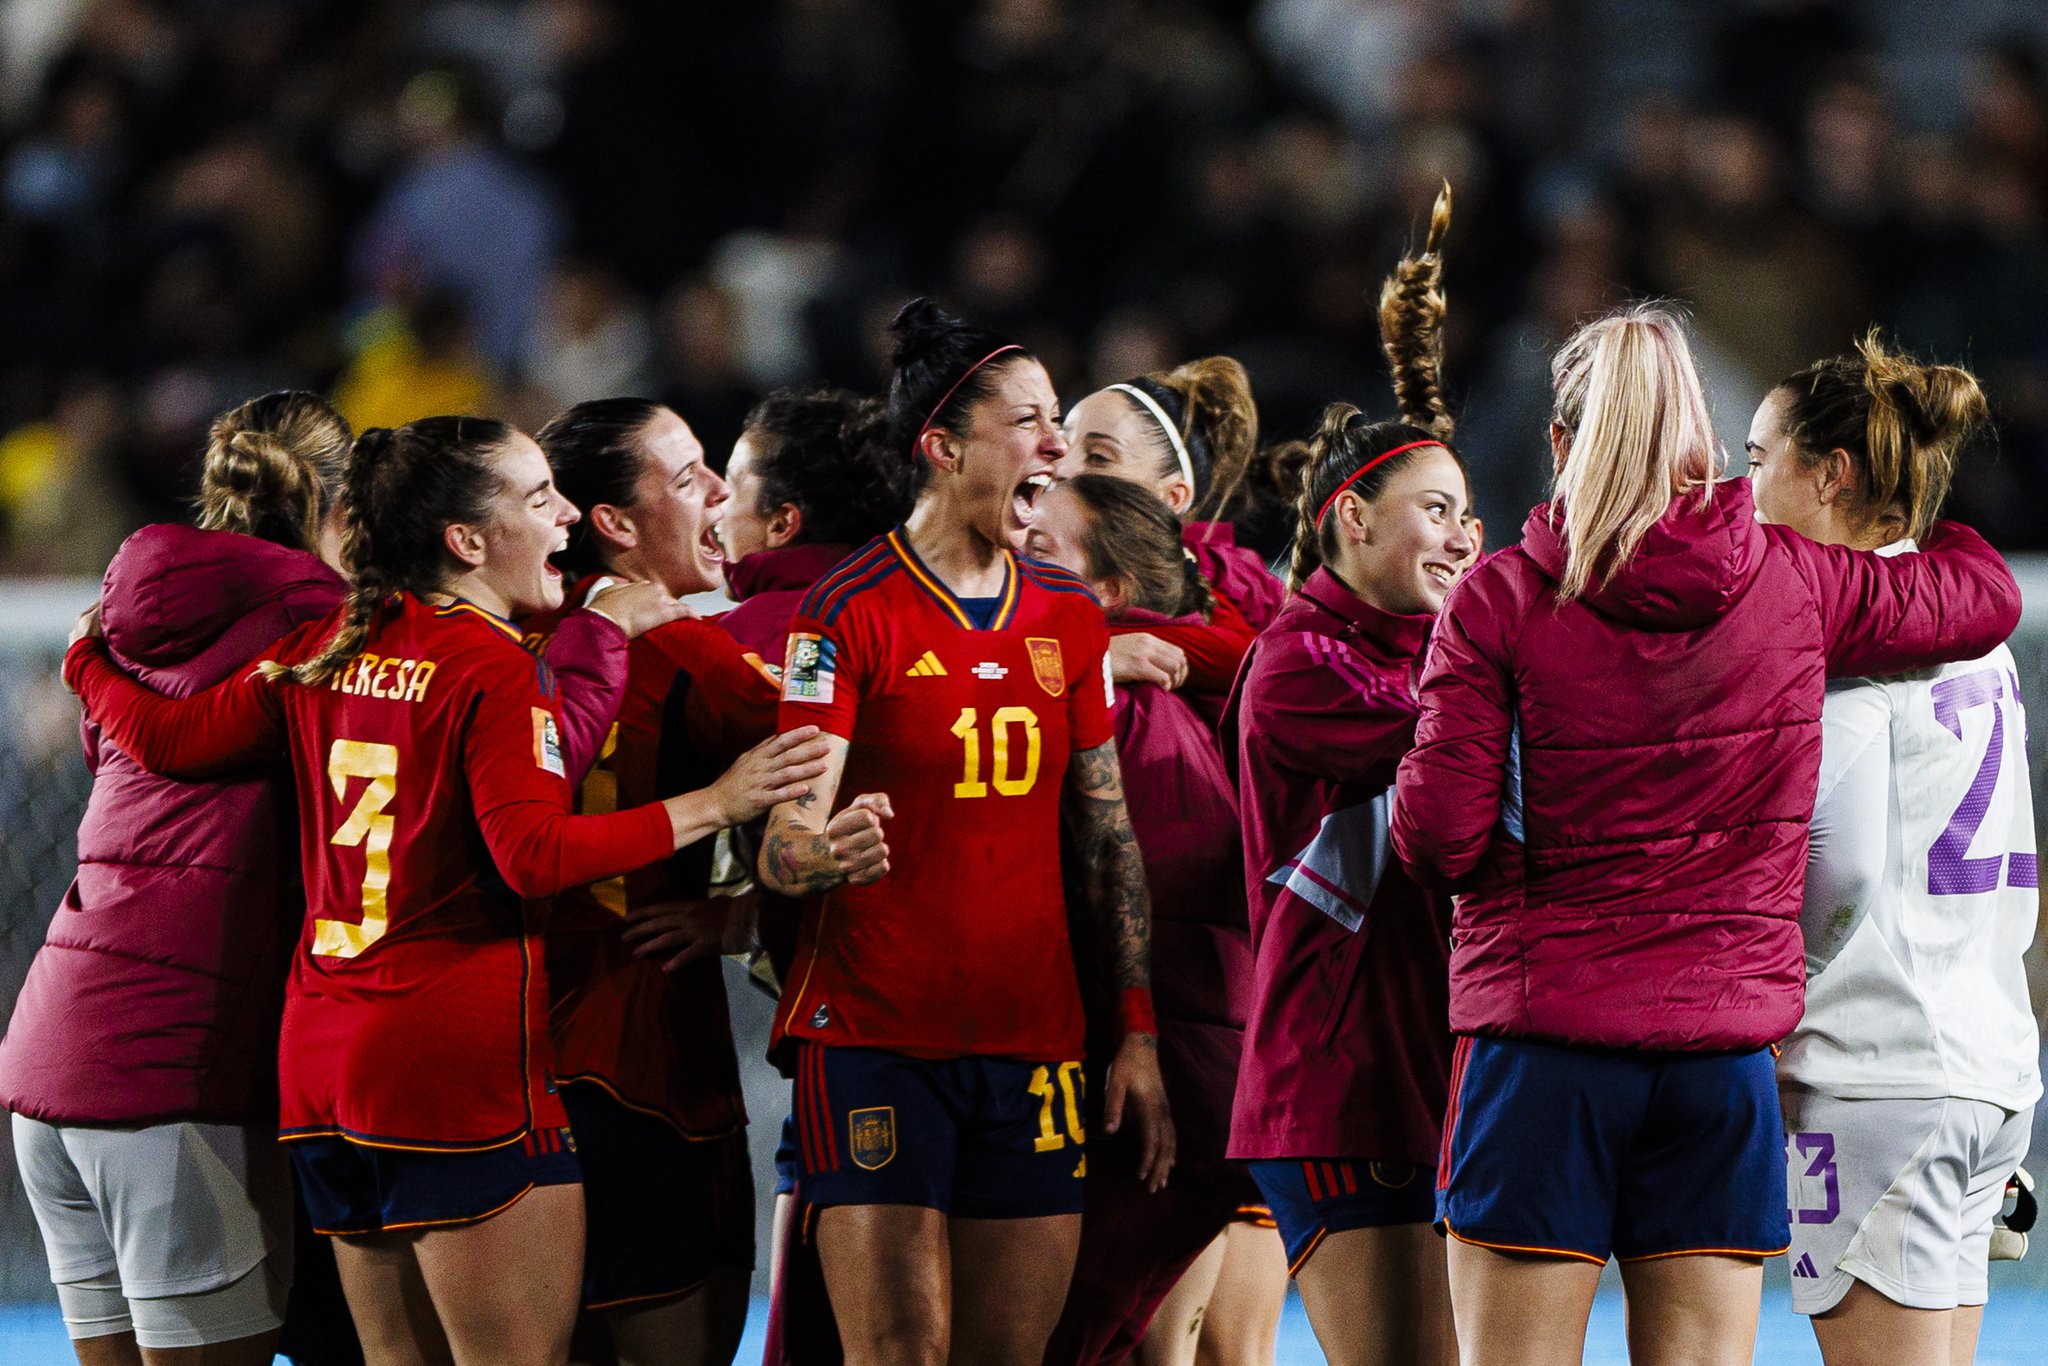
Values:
[(1046, 664), (873, 1135)]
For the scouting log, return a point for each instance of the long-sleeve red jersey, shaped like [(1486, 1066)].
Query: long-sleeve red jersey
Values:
[(660, 1042), (433, 804)]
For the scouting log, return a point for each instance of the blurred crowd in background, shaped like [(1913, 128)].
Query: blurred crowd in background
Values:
[(507, 206)]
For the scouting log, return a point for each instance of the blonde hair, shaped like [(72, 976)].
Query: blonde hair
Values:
[(1629, 396), (1901, 423), (273, 467)]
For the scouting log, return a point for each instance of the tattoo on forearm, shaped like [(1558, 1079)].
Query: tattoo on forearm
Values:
[(1119, 905), (799, 865), (807, 800)]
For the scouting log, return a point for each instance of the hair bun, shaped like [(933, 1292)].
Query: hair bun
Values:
[(919, 326)]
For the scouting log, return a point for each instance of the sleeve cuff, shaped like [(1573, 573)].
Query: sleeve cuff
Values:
[(1134, 1011)]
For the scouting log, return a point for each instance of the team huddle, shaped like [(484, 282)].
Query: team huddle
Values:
[(1147, 928)]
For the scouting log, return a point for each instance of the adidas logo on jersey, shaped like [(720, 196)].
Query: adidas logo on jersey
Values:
[(988, 671), (1803, 1268), (926, 667)]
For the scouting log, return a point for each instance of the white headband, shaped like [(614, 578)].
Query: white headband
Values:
[(1180, 449)]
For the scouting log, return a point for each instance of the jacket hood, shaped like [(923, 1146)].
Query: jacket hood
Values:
[(172, 590), (1689, 570), (790, 567)]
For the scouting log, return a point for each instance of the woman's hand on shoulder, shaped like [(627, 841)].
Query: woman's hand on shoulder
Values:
[(88, 624), (638, 607)]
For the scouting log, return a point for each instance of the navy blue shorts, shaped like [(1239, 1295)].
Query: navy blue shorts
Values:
[(352, 1188), (1579, 1152), (786, 1165), (662, 1212), (1311, 1199), (983, 1138)]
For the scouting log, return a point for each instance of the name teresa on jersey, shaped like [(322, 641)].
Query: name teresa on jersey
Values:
[(401, 680)]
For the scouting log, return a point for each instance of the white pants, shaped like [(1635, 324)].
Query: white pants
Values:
[(181, 1233), (1896, 1193)]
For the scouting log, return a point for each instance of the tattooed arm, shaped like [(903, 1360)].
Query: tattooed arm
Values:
[(806, 854), (1119, 909)]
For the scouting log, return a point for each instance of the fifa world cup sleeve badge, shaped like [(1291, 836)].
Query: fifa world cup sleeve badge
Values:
[(547, 743), (809, 666), (872, 1136), (1046, 664)]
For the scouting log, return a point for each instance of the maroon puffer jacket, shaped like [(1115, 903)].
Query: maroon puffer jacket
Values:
[(157, 990), (1621, 786)]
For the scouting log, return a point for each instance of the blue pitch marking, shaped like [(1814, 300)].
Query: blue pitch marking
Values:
[(2015, 1324)]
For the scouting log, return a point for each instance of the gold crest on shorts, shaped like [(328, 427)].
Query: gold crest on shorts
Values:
[(1046, 664), (873, 1135)]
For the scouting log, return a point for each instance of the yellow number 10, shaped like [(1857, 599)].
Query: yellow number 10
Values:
[(368, 826), (1049, 1136), (999, 725)]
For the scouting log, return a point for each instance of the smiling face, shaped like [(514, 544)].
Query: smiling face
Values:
[(1106, 433), (993, 470), (669, 533), (529, 520), (1404, 550)]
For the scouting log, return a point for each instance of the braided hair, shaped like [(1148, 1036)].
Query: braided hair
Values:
[(1412, 327), (1344, 443), (404, 489), (1412, 310)]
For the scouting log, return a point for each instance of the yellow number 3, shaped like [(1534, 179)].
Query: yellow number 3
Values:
[(369, 826)]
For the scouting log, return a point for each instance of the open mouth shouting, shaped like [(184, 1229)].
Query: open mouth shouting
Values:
[(1024, 499)]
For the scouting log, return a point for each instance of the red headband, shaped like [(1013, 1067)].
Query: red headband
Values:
[(943, 399), (1361, 472)]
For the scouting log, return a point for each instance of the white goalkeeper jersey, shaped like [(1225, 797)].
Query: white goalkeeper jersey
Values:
[(1921, 891)]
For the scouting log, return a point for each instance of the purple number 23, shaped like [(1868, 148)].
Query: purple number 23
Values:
[(1950, 869)]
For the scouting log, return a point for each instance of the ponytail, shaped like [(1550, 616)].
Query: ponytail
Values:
[(1902, 424), (1348, 453), (1207, 428), (1629, 395), (272, 467), (404, 488), (1412, 328)]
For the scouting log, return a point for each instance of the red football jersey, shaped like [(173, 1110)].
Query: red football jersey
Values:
[(659, 1042), (432, 800), (962, 949)]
